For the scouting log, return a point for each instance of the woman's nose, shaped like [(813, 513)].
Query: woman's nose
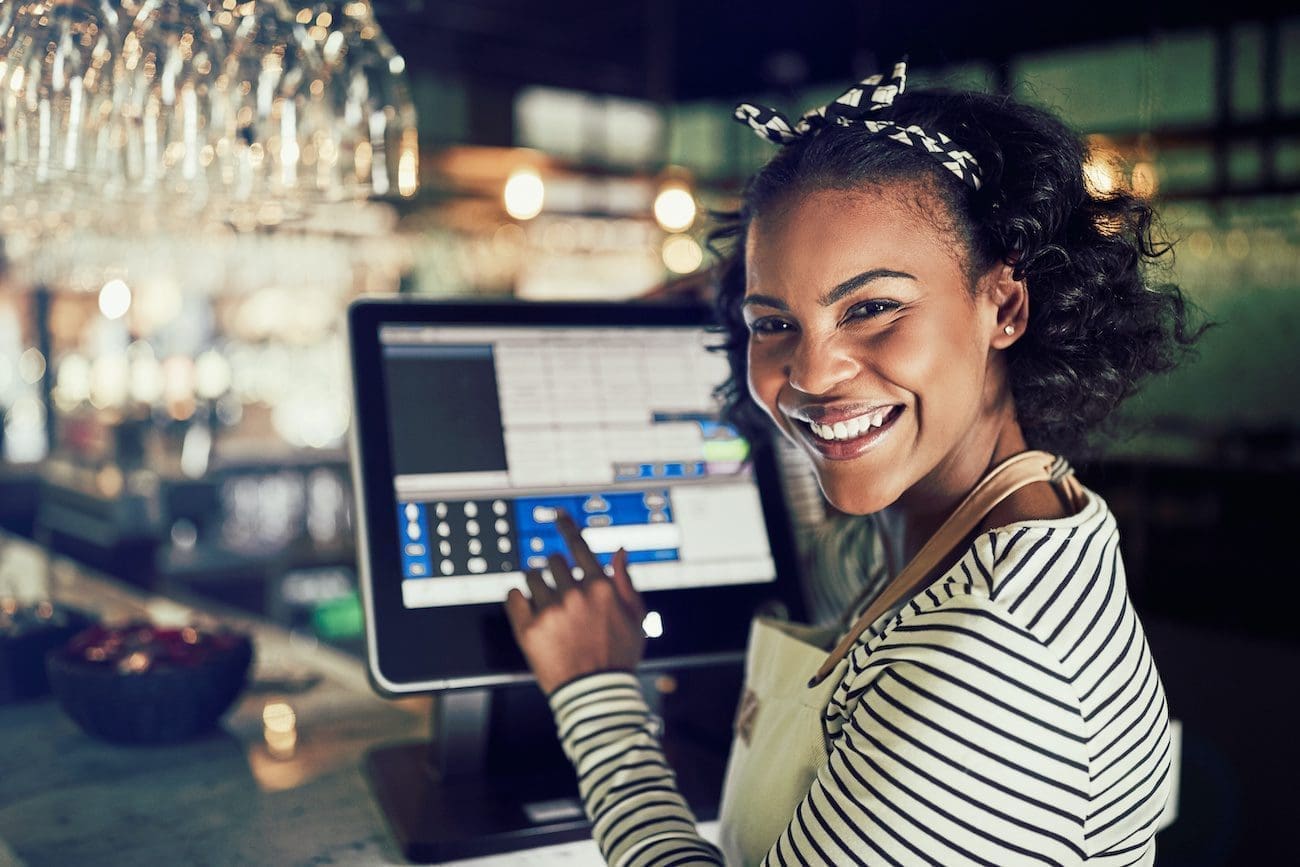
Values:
[(818, 366)]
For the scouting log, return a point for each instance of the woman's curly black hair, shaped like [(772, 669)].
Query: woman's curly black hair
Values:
[(1098, 325)]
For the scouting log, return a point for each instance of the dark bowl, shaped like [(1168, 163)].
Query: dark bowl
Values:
[(169, 699), (26, 636)]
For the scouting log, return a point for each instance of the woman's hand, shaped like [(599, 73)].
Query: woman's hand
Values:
[(577, 627)]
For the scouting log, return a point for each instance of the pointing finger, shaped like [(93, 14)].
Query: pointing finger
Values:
[(578, 549), (561, 574), (518, 611), (542, 593), (622, 581)]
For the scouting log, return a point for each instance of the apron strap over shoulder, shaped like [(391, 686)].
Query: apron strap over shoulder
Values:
[(1001, 482)]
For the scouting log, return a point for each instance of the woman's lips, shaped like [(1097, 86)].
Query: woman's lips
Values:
[(843, 450)]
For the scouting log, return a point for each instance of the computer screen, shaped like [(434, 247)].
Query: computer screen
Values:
[(496, 429), (486, 421)]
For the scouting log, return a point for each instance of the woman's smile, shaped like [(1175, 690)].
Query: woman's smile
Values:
[(841, 434)]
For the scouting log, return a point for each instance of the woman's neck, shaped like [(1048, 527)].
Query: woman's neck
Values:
[(924, 508)]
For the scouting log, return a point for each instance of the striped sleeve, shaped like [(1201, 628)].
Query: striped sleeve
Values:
[(638, 816)]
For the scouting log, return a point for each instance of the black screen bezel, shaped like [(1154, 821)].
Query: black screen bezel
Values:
[(703, 624)]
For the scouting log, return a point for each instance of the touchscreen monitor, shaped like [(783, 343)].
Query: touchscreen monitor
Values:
[(476, 424)]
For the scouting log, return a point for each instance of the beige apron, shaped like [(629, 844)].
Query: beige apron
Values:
[(780, 743)]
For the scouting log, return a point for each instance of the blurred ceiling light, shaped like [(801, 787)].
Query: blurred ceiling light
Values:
[(1144, 180), (73, 381), (178, 379), (146, 379), (682, 254), (674, 207), (109, 380), (31, 365), (157, 302), (524, 194), (211, 375), (114, 299)]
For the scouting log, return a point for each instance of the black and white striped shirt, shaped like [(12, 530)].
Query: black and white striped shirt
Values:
[(1011, 713)]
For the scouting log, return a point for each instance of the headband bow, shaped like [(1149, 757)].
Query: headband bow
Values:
[(855, 106)]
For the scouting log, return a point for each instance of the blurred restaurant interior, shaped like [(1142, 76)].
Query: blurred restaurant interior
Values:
[(173, 370)]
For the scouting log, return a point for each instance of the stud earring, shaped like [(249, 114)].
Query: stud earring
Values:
[(1009, 330)]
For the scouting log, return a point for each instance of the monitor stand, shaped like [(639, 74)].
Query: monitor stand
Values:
[(494, 779)]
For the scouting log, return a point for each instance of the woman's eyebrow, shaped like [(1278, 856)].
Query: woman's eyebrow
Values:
[(854, 283), (765, 300), (847, 287)]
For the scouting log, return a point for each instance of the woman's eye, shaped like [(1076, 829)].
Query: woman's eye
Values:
[(869, 309), (769, 325)]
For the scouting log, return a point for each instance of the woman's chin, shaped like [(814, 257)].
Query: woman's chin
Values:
[(854, 500)]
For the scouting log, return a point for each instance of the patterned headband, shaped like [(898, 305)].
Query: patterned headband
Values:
[(854, 107)]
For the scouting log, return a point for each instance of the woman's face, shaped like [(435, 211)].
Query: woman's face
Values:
[(868, 347)]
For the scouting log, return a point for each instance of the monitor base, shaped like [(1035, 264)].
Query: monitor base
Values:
[(435, 818)]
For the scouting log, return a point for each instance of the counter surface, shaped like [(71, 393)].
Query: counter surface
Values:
[(66, 798)]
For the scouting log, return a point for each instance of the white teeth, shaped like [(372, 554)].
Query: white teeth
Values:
[(851, 428)]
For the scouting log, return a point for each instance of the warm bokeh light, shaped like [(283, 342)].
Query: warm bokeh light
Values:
[(1200, 244), (115, 299), (109, 481), (156, 303), (408, 163), (110, 380), (674, 208), (682, 254), (1099, 176), (211, 375), (1145, 181), (524, 194), (31, 365), (280, 729), (146, 379), (24, 430), (72, 384), (178, 386), (1237, 244)]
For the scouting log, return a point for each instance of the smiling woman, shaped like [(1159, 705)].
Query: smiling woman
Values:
[(904, 340), (924, 296)]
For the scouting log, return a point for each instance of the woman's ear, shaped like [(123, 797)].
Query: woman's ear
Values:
[(1009, 300)]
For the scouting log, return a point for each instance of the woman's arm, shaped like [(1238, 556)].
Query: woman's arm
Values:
[(637, 814), (582, 641), (956, 742), (958, 739)]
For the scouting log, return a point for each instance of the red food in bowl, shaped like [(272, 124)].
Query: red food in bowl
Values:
[(141, 683)]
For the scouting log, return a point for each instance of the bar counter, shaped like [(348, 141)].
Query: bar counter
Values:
[(223, 799)]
